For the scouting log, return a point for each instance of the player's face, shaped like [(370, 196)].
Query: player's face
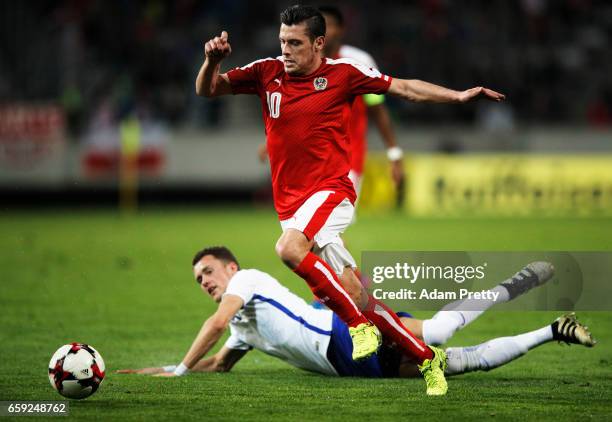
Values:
[(300, 55), (213, 275), (333, 35)]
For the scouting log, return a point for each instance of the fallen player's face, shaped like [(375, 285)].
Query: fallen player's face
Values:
[(299, 53), (213, 275)]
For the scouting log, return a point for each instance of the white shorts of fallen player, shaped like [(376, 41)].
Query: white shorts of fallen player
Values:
[(322, 218)]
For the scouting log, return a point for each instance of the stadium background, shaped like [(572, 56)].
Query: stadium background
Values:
[(112, 174)]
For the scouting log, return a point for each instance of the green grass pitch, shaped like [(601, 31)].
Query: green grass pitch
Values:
[(123, 284)]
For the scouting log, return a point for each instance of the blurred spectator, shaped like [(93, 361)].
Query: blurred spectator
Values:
[(551, 57)]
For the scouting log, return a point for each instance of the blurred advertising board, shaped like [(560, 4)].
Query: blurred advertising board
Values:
[(493, 185), (32, 142)]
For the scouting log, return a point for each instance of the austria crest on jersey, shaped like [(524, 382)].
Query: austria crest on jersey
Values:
[(320, 83)]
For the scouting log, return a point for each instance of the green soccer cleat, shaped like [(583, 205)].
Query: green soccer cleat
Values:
[(433, 372), (366, 340), (566, 328)]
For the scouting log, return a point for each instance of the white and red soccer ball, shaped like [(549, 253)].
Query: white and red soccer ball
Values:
[(76, 370)]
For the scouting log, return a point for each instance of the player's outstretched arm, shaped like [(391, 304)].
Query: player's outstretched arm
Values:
[(213, 329), (222, 361), (142, 371), (209, 335), (209, 82), (421, 91)]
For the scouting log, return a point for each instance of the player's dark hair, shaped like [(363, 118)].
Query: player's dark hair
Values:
[(219, 252), (315, 22), (334, 12)]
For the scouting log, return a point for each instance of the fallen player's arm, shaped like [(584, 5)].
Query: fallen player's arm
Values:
[(209, 335), (209, 82), (421, 91), (212, 330), (145, 371), (222, 361)]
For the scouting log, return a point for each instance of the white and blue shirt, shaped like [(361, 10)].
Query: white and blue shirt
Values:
[(279, 323)]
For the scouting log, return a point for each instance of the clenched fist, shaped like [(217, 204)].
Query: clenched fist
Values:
[(218, 48)]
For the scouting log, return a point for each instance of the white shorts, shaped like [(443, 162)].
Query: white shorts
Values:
[(323, 217)]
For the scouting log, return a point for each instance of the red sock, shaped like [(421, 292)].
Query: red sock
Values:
[(324, 283), (393, 330)]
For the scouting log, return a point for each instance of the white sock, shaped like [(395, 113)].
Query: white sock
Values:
[(494, 353), (445, 323), (442, 326)]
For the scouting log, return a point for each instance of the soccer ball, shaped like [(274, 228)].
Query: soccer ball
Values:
[(76, 370)]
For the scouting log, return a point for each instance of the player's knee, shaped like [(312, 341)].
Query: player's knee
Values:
[(290, 252)]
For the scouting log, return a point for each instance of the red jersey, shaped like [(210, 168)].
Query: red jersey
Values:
[(306, 125)]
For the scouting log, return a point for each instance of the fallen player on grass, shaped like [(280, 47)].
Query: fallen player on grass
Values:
[(262, 314)]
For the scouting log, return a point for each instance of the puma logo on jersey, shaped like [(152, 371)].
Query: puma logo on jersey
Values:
[(320, 83), (277, 81)]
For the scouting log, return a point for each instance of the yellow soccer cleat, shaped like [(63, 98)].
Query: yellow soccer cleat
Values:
[(366, 340), (433, 372)]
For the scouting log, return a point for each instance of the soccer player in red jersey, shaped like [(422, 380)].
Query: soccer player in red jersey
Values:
[(303, 98)]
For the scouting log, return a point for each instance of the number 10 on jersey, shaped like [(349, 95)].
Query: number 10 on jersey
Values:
[(274, 100)]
